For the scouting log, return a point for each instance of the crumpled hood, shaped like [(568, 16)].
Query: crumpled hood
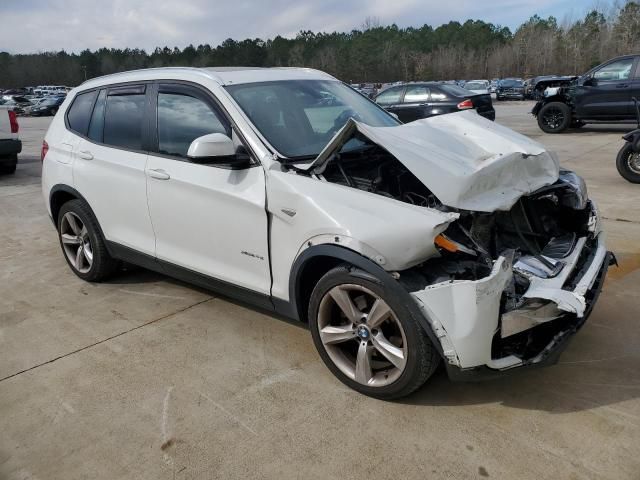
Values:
[(467, 161)]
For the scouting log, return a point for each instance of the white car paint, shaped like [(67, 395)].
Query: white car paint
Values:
[(467, 161), (207, 219)]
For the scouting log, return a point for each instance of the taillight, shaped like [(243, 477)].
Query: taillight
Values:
[(465, 104), (45, 149), (13, 120)]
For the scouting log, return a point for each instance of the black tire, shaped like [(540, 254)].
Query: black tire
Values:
[(11, 167), (103, 265), (623, 160), (421, 359), (554, 117)]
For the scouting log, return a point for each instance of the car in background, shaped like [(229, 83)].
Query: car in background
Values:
[(48, 107), (493, 85), (413, 101), (528, 88), (10, 144), (604, 94), (477, 86), (16, 103), (510, 88)]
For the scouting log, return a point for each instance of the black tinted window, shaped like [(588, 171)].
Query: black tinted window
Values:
[(390, 96), (97, 118), (123, 120), (182, 119), (80, 111)]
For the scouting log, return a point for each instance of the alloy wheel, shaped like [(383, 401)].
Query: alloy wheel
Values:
[(553, 118), (633, 162), (361, 335), (76, 243)]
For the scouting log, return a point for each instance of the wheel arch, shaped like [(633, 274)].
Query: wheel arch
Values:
[(61, 194), (317, 260)]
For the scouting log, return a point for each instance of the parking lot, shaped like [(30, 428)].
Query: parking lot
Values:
[(146, 377)]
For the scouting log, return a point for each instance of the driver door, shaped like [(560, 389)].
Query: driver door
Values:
[(209, 219), (606, 94)]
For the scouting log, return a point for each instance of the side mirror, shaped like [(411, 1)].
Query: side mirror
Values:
[(217, 148), (590, 82)]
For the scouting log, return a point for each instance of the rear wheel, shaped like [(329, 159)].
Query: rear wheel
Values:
[(554, 117), (82, 243), (368, 338), (628, 163)]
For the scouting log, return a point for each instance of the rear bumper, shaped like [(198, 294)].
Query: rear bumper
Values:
[(10, 147), (489, 114), (510, 94)]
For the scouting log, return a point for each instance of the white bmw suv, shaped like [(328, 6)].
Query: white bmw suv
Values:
[(451, 237)]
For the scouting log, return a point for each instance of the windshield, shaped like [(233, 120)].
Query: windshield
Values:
[(476, 86), (511, 83), (299, 117)]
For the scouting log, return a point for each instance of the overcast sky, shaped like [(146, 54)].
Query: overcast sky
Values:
[(73, 25)]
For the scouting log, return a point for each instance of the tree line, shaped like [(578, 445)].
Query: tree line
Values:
[(374, 52)]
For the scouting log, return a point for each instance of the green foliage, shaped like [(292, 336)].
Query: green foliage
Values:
[(375, 53)]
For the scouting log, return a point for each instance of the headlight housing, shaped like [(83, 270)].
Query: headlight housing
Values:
[(575, 183)]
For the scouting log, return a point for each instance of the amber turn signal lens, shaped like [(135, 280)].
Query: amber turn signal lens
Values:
[(446, 244)]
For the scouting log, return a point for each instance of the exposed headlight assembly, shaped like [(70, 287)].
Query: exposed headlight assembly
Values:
[(579, 197)]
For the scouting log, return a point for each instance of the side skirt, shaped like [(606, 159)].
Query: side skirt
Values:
[(227, 289)]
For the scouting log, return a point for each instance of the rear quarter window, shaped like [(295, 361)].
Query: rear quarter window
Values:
[(80, 112)]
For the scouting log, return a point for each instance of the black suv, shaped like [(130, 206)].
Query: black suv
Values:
[(602, 95), (413, 101), (512, 88)]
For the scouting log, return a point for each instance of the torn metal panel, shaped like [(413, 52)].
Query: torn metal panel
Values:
[(467, 161), (552, 288), (467, 313)]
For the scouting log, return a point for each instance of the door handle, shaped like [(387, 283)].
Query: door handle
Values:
[(158, 174), (85, 154)]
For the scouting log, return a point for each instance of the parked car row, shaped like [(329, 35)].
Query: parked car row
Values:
[(32, 105)]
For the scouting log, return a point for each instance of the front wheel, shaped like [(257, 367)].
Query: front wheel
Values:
[(554, 117), (628, 163), (367, 337)]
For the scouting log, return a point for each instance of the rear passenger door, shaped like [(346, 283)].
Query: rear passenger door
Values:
[(391, 100), (208, 218), (415, 104), (109, 170)]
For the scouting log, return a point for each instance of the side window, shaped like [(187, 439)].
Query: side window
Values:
[(124, 116), (390, 96), (437, 95), (80, 112), (416, 93), (96, 126), (182, 119), (618, 70)]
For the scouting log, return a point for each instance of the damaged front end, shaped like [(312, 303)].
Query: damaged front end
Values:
[(517, 269), (511, 287)]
